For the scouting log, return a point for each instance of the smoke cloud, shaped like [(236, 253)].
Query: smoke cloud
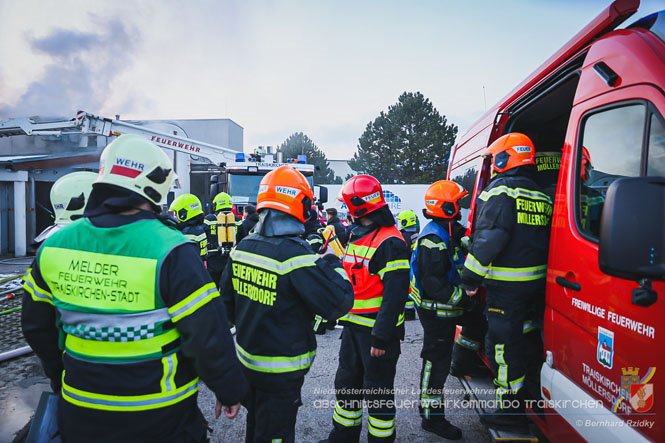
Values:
[(81, 71)]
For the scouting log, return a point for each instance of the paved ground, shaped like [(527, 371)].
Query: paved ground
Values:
[(21, 383), (314, 421)]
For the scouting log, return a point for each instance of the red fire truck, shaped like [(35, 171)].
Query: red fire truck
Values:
[(597, 104)]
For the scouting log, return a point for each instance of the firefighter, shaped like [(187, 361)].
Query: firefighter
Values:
[(408, 226), (407, 221), (273, 285), (509, 257), (333, 220), (249, 220), (377, 262), (217, 255), (435, 286), (189, 213), (69, 195), (123, 315)]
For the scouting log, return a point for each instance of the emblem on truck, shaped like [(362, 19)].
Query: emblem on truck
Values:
[(635, 390), (639, 393), (605, 347)]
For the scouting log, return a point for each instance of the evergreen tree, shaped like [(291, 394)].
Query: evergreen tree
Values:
[(408, 144), (299, 143)]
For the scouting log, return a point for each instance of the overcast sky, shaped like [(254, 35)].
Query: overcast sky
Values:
[(326, 68)]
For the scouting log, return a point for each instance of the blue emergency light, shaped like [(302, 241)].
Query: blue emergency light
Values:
[(302, 159), (240, 157)]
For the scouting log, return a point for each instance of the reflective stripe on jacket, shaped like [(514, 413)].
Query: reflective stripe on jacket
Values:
[(368, 288), (511, 237), (451, 306), (104, 284), (272, 288)]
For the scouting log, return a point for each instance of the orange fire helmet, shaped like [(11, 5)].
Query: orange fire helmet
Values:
[(510, 151), (286, 189), (442, 197), (362, 194)]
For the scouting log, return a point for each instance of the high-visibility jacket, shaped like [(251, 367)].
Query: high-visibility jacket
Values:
[(368, 284), (196, 233), (210, 226), (436, 240), (272, 288), (511, 237), (104, 286)]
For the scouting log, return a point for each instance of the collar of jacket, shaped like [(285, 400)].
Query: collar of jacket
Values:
[(273, 223)]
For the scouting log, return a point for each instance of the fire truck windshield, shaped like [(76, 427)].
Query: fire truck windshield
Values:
[(244, 188)]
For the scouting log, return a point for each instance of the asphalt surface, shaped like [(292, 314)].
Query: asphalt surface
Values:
[(315, 416)]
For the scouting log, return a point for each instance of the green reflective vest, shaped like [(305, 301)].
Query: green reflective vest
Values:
[(105, 287)]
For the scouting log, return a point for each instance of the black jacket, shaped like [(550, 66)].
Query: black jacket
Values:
[(340, 231), (434, 262), (512, 232), (272, 287), (196, 232), (210, 228), (246, 226)]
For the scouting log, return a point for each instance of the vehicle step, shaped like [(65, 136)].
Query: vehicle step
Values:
[(480, 391)]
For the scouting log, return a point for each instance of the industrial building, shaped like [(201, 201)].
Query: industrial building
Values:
[(30, 164)]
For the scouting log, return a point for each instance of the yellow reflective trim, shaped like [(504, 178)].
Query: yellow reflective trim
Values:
[(269, 264), (127, 403), (170, 365), (467, 343), (381, 423), (429, 244), (502, 370), (514, 193), (368, 303), (517, 274), (343, 273), (517, 384), (347, 418), (380, 428), (473, 265), (36, 293), (275, 364), (193, 302), (366, 321), (119, 349), (394, 265), (365, 252), (358, 319)]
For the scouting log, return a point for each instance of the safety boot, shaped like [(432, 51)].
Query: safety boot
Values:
[(442, 427), (466, 362)]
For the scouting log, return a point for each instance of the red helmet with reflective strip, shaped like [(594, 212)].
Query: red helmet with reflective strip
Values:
[(512, 150), (362, 194)]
